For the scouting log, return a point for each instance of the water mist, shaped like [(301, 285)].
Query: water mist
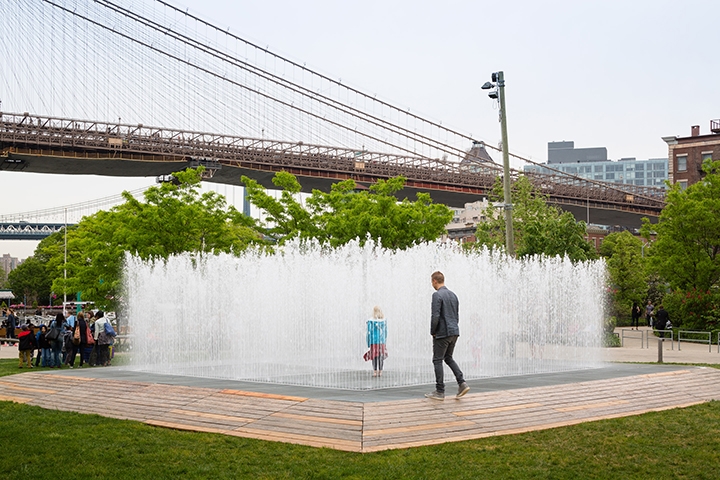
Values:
[(298, 316)]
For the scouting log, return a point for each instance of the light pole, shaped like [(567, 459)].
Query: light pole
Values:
[(65, 268), (498, 83)]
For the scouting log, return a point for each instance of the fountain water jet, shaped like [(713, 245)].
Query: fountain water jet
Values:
[(298, 316)]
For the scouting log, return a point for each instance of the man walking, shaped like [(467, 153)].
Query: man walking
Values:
[(445, 332)]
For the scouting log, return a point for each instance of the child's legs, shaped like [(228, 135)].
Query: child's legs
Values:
[(46, 358), (378, 362)]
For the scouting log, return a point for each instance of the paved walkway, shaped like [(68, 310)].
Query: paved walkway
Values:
[(367, 421)]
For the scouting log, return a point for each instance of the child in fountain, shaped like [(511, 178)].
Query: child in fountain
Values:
[(376, 337)]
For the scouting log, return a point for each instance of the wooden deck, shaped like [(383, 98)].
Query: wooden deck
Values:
[(370, 426)]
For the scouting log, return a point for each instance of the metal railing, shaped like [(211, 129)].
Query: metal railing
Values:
[(672, 340), (695, 340), (623, 336)]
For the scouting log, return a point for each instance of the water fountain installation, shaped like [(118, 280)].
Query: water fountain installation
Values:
[(299, 316)]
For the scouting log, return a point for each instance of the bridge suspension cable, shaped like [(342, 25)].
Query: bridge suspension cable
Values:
[(74, 211), (150, 62)]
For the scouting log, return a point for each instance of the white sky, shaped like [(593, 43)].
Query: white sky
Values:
[(619, 74)]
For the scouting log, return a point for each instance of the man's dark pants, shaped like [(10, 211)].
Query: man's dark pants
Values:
[(442, 351)]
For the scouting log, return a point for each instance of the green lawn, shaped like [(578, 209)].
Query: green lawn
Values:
[(39, 444)]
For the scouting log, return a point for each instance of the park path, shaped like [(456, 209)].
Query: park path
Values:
[(365, 426)]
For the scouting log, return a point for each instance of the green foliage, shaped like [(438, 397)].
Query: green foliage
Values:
[(694, 309), (345, 213), (31, 280), (624, 448), (538, 228), (686, 251), (609, 337), (286, 218), (626, 271), (172, 219)]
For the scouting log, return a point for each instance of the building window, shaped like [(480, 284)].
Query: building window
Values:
[(681, 163), (706, 156), (683, 184), (609, 176)]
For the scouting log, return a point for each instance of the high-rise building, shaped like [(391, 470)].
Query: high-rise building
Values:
[(593, 164), (8, 264)]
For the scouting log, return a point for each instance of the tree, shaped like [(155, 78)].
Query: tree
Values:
[(346, 213), (539, 228), (31, 281), (172, 219), (686, 249), (626, 270)]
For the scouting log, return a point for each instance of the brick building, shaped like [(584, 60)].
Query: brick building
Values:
[(687, 154)]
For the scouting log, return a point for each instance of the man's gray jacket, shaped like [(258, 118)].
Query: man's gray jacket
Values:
[(444, 319)]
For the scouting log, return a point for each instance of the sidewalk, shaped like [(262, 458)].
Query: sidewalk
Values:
[(635, 351)]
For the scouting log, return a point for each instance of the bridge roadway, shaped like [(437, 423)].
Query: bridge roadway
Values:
[(28, 230), (37, 144)]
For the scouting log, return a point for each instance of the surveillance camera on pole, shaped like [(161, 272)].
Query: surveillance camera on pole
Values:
[(498, 92)]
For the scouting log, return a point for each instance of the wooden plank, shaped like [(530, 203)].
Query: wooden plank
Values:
[(8, 398), (415, 428), (312, 418), (229, 418), (509, 408), (31, 389), (263, 395), (180, 426), (304, 428), (298, 438)]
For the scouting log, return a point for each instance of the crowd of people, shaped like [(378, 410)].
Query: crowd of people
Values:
[(87, 336)]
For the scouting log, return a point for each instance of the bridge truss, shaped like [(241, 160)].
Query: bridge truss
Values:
[(25, 135)]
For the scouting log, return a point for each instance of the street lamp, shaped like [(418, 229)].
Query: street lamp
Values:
[(498, 93)]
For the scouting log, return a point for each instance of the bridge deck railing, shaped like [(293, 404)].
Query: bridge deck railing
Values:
[(25, 131)]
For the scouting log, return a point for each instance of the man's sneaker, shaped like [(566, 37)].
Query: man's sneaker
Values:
[(435, 396), (462, 389)]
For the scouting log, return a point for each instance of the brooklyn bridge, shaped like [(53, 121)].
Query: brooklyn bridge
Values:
[(212, 98)]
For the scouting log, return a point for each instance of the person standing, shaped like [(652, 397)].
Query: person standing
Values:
[(44, 347), (376, 337), (26, 346), (662, 321), (102, 340), (649, 310), (56, 343), (11, 324), (635, 315), (445, 331), (86, 341)]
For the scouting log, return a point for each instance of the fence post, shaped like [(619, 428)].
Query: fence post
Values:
[(660, 350)]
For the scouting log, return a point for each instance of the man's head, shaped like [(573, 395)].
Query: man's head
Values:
[(437, 279)]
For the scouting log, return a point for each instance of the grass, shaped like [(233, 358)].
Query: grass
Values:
[(680, 443)]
